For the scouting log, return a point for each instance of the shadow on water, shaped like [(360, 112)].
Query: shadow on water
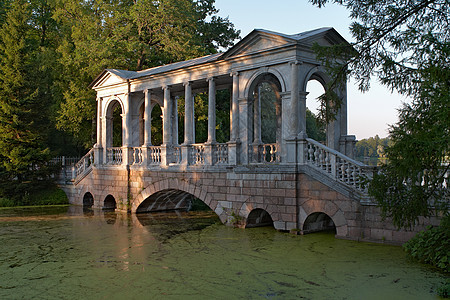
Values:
[(166, 225)]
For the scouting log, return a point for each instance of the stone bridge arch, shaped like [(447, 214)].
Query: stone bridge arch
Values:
[(177, 188), (330, 209)]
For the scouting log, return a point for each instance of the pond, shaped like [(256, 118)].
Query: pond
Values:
[(67, 253)]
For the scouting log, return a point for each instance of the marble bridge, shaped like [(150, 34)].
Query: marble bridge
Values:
[(269, 172)]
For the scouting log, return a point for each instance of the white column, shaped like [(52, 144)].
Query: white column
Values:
[(167, 113), (188, 114), (175, 120), (99, 122), (147, 118), (126, 122), (211, 111), (234, 130), (294, 113)]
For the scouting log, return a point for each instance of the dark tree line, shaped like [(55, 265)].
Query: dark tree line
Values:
[(51, 50)]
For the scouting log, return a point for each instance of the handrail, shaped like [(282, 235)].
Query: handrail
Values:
[(336, 165), (84, 164), (334, 152)]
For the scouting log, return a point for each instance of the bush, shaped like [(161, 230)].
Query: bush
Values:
[(52, 195), (4, 202), (432, 246)]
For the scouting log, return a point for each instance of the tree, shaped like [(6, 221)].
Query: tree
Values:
[(405, 44), (131, 35), (23, 153)]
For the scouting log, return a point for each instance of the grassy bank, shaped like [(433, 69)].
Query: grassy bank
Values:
[(50, 196)]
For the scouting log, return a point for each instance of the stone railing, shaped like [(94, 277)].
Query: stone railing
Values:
[(220, 154), (335, 164), (154, 155), (264, 153), (84, 164), (138, 157), (198, 154), (114, 156)]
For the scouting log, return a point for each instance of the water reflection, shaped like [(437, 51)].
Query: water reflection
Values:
[(74, 253)]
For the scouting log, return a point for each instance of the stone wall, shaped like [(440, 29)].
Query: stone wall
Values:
[(288, 196)]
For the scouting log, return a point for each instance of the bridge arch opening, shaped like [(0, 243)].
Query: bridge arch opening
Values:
[(114, 126), (109, 203), (315, 88), (258, 218), (171, 200), (318, 221), (88, 200)]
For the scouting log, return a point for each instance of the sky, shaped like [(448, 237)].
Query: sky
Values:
[(369, 113)]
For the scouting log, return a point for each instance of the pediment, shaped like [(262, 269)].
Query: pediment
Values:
[(111, 77), (258, 40)]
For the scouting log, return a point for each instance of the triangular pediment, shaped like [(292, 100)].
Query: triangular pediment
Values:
[(258, 40), (262, 40), (111, 77)]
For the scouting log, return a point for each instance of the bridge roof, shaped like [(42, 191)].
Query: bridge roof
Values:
[(306, 37)]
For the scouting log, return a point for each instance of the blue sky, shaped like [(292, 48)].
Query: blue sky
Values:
[(368, 113)]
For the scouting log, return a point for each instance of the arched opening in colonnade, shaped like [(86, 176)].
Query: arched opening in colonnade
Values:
[(314, 129), (258, 218), (114, 126), (88, 200), (265, 117), (318, 221)]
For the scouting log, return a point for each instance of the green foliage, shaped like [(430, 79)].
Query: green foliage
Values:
[(130, 35), (432, 246), (23, 105), (405, 45), (372, 147), (46, 195), (314, 128), (50, 51), (444, 290)]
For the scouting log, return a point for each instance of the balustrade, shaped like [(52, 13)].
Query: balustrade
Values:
[(220, 154), (84, 164), (154, 155), (114, 156), (339, 166), (138, 157), (198, 154), (264, 153)]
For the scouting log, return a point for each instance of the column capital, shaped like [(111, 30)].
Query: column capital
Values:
[(296, 62), (147, 91), (99, 99), (211, 78), (303, 93), (234, 73), (187, 83), (165, 87)]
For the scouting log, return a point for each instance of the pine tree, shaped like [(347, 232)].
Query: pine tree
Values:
[(23, 154)]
